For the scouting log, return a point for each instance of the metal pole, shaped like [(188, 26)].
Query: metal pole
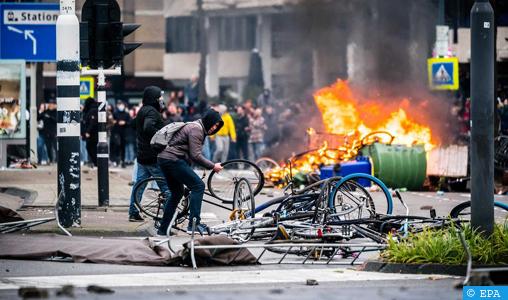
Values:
[(68, 115), (33, 113), (482, 116), (203, 50), (103, 145)]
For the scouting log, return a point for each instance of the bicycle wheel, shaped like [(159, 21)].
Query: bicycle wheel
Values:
[(222, 185), (351, 200), (463, 211), (363, 191), (243, 203), (150, 200), (267, 164)]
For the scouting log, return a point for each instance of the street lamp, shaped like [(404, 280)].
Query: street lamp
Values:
[(482, 117)]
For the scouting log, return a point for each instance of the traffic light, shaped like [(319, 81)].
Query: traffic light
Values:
[(119, 48), (102, 34)]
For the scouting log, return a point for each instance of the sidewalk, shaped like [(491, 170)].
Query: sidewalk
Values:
[(33, 194), (39, 189), (43, 184)]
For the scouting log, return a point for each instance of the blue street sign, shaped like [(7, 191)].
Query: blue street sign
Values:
[(443, 73), (28, 31), (86, 87)]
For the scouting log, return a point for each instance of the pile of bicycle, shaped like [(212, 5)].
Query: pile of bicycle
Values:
[(337, 216)]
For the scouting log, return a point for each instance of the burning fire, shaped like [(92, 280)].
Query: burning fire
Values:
[(353, 125), (343, 114)]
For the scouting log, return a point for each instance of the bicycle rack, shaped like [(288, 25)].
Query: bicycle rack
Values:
[(315, 248)]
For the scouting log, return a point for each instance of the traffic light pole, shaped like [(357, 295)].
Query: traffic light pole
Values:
[(68, 116), (102, 46), (103, 145), (482, 117)]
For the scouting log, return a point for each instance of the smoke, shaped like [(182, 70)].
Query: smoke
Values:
[(380, 46)]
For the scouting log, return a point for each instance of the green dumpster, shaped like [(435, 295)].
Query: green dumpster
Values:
[(398, 166)]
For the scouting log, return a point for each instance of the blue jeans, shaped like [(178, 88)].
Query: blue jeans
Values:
[(143, 172), (178, 173), (129, 152), (134, 171), (84, 153), (42, 152)]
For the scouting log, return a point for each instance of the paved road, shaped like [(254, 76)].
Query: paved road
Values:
[(253, 282)]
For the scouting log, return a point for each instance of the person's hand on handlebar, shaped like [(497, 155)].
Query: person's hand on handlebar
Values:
[(217, 167)]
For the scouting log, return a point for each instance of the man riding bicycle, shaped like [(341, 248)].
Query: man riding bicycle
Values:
[(175, 160)]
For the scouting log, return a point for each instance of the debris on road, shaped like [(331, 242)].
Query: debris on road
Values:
[(312, 282), (97, 289)]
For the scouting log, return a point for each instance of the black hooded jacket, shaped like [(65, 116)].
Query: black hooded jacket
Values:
[(148, 122)]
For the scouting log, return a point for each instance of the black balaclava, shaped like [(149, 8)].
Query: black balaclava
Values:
[(151, 97), (211, 118)]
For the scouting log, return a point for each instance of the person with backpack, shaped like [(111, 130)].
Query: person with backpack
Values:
[(148, 122), (184, 146)]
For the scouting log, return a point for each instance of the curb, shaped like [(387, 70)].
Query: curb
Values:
[(385, 267), (431, 269)]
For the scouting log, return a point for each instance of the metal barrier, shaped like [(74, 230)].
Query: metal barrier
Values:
[(10, 227)]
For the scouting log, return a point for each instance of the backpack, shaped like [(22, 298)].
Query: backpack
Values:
[(161, 138)]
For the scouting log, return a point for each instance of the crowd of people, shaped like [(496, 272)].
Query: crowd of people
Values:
[(250, 127)]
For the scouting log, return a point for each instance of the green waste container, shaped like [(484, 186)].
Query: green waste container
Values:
[(398, 166)]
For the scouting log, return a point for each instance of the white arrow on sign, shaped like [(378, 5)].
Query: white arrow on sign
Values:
[(28, 34)]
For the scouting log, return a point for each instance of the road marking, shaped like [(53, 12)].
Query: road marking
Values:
[(207, 278)]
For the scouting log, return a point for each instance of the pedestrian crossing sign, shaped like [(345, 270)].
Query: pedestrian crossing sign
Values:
[(86, 87), (443, 73)]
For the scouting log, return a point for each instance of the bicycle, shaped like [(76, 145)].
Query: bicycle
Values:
[(462, 211), (222, 187), (314, 206)]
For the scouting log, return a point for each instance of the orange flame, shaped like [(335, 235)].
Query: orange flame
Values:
[(343, 114)]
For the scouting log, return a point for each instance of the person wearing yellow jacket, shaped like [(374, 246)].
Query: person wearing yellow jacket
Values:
[(224, 136)]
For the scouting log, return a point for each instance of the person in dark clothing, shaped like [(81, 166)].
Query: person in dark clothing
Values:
[(90, 128), (242, 133), (185, 148), (148, 122), (119, 132), (48, 116)]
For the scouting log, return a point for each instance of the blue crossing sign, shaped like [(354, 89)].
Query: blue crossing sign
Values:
[(28, 31), (443, 73), (86, 87)]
